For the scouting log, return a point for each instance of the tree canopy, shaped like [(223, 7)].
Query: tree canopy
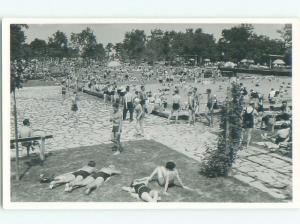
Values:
[(237, 43)]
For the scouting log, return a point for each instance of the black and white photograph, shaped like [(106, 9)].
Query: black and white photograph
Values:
[(138, 112)]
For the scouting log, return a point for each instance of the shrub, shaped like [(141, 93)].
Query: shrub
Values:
[(218, 159)]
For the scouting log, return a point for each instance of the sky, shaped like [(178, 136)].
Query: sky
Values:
[(114, 33)]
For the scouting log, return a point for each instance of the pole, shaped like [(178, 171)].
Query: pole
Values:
[(227, 122), (16, 137), (227, 149)]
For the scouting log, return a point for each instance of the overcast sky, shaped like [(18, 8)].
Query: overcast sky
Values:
[(113, 33)]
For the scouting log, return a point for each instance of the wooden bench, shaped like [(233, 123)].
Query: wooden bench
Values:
[(35, 138)]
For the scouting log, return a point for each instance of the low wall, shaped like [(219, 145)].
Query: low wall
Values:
[(287, 72), (166, 115)]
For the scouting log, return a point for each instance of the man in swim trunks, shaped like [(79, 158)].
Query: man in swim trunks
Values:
[(95, 180), (192, 105), (128, 104), (175, 106), (116, 119), (139, 190), (209, 114), (25, 132), (77, 175)]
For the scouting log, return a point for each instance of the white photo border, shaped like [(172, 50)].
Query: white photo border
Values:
[(7, 204)]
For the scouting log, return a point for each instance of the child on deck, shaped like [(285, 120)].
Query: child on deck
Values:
[(116, 118), (139, 117)]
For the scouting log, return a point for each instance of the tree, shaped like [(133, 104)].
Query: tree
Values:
[(85, 43), (38, 48), (108, 49), (260, 47), (121, 53), (17, 40), (204, 45), (218, 159), (235, 42), (286, 35), (58, 45), (155, 46), (100, 52), (134, 44)]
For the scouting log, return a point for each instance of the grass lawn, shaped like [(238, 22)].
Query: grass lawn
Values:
[(138, 160)]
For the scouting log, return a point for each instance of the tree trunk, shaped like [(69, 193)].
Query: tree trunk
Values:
[(16, 136), (227, 130)]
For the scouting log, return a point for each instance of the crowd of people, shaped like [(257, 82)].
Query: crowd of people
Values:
[(92, 179), (125, 88)]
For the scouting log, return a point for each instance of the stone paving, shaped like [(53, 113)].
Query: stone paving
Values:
[(49, 114)]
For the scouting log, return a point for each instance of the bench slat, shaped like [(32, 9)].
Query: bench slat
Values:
[(31, 138)]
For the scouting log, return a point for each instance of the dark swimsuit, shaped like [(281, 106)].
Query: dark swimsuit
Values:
[(63, 90), (101, 174), (82, 173), (74, 107), (279, 139), (140, 189), (176, 106), (248, 119)]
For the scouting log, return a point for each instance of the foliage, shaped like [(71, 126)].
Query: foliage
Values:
[(58, 45), (38, 48), (17, 40), (237, 43), (85, 44), (286, 35), (16, 70), (134, 44), (218, 160), (17, 52)]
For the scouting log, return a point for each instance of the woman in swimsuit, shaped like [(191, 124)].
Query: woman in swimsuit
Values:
[(192, 104), (139, 189), (140, 114), (74, 107), (63, 89), (166, 176), (94, 181), (248, 115), (78, 174)]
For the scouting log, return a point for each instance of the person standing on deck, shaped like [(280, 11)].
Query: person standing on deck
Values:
[(140, 114), (175, 106), (128, 104), (209, 114), (248, 117), (116, 119)]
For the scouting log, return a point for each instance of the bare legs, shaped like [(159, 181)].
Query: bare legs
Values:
[(139, 127), (248, 132), (176, 112), (152, 196), (94, 185), (192, 117), (160, 175), (65, 178)]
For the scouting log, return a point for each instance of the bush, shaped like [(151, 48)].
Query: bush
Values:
[(218, 159)]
